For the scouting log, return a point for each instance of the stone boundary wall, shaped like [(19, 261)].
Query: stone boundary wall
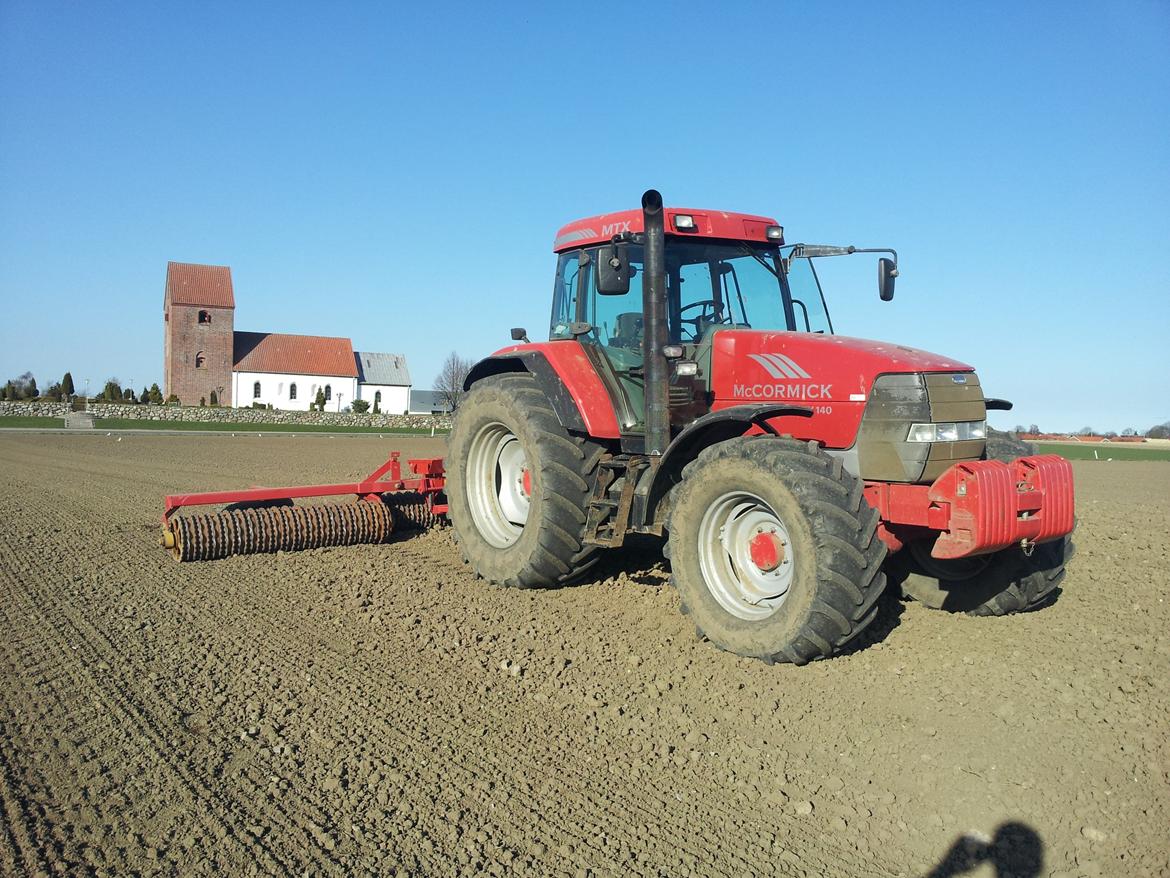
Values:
[(224, 415)]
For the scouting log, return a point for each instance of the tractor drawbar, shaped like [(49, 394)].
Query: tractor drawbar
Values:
[(264, 519)]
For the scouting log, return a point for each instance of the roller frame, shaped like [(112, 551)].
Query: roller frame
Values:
[(428, 480)]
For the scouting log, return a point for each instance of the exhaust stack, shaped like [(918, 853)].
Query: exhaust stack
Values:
[(654, 362)]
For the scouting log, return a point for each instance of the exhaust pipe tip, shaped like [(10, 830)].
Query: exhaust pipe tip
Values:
[(651, 201)]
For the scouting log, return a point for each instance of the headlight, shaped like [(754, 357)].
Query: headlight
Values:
[(960, 431)]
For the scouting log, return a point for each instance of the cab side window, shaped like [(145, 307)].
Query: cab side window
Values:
[(617, 320), (565, 295)]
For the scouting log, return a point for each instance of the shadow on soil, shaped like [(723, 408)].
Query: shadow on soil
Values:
[(889, 616), (1015, 851), (640, 559)]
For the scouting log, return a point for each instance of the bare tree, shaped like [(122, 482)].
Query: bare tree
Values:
[(449, 384)]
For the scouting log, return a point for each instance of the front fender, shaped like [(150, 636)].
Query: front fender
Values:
[(718, 426)]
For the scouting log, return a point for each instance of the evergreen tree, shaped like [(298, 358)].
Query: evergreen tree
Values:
[(67, 384), (144, 397), (320, 401), (112, 392), (155, 394), (31, 391)]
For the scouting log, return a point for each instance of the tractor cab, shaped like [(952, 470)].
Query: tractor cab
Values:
[(722, 271)]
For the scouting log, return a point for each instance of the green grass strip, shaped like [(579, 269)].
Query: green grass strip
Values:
[(32, 422), (1105, 451)]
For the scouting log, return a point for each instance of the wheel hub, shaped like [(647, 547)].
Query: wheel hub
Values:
[(746, 556), (766, 551)]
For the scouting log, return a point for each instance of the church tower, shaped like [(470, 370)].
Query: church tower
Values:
[(198, 315)]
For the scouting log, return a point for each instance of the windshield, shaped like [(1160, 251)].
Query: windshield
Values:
[(717, 284), (709, 285)]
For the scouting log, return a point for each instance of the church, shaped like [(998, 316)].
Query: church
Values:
[(205, 360)]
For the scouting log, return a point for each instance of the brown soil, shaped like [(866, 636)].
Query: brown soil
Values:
[(376, 709)]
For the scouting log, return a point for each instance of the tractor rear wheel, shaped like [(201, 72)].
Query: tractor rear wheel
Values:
[(518, 485), (773, 549), (989, 585)]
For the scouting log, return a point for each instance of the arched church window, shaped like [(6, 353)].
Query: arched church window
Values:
[(200, 360), (256, 390)]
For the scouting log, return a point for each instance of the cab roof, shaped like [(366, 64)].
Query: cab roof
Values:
[(708, 224)]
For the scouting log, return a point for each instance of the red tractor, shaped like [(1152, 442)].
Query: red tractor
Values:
[(791, 469)]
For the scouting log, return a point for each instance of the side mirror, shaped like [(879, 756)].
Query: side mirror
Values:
[(887, 271), (519, 333), (613, 270)]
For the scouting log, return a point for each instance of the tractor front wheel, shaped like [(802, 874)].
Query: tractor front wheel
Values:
[(1008, 581), (518, 486), (773, 549)]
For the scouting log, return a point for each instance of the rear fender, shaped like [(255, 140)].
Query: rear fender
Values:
[(567, 378), (718, 426)]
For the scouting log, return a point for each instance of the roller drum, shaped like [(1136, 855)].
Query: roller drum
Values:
[(257, 529)]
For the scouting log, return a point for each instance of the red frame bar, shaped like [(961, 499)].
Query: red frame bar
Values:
[(429, 481)]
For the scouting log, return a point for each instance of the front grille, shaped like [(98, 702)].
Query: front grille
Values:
[(896, 402)]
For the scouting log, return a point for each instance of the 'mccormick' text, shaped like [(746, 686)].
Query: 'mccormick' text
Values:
[(782, 391)]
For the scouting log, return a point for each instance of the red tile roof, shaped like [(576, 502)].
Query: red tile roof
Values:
[(293, 354), (210, 285)]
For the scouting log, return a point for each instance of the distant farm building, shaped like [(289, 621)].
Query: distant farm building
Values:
[(428, 402), (384, 382), (206, 360)]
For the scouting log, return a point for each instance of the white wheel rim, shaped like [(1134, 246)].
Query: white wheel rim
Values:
[(731, 573), (498, 485)]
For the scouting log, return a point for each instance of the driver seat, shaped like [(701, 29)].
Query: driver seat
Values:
[(627, 330)]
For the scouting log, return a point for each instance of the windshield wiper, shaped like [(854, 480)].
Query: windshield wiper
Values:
[(760, 259)]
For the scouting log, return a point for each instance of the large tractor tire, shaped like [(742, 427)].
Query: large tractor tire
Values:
[(987, 585), (773, 550), (1006, 447), (1008, 581), (518, 486)]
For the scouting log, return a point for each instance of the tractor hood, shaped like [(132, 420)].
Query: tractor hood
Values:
[(831, 374), (753, 364)]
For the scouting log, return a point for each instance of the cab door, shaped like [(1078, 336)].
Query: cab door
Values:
[(613, 340)]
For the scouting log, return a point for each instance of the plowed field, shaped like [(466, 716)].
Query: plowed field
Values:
[(378, 710)]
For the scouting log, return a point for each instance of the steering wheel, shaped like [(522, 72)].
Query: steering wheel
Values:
[(710, 307)]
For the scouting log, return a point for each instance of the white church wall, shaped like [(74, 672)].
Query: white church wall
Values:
[(395, 397), (276, 389)]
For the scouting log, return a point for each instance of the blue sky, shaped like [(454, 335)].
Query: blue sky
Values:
[(396, 174)]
